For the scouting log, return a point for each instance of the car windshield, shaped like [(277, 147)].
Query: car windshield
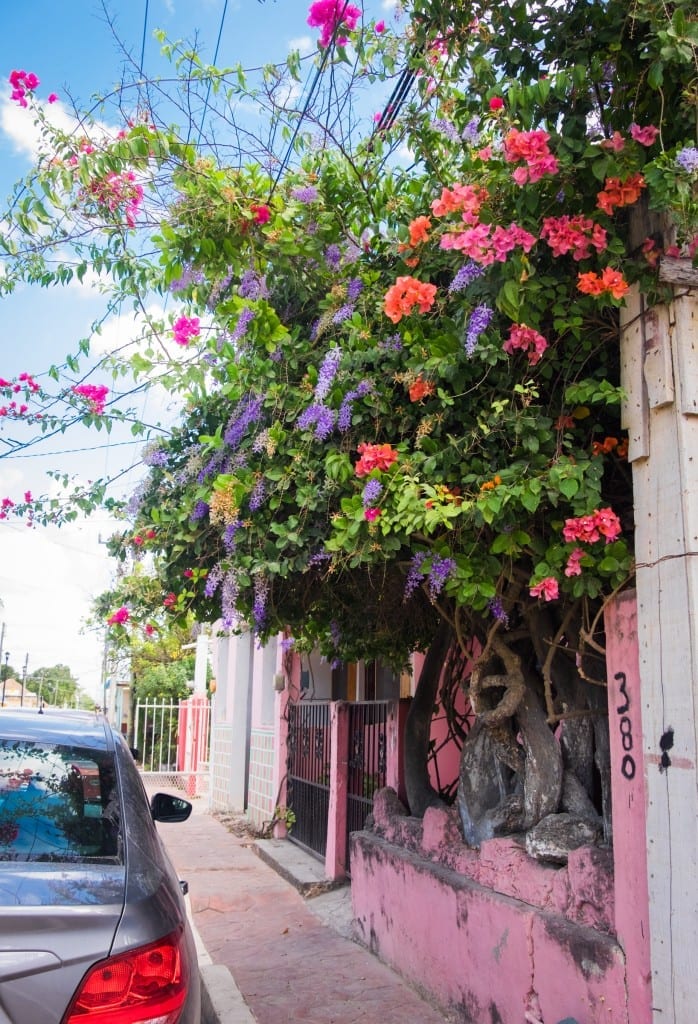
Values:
[(57, 803)]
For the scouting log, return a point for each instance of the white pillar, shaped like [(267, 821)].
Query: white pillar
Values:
[(659, 355)]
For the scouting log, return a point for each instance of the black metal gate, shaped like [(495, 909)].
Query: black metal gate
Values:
[(367, 761), (308, 782)]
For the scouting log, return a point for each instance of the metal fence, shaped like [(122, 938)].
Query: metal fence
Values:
[(367, 761), (308, 773), (172, 738)]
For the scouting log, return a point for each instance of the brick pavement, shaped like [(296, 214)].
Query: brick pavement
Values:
[(288, 964)]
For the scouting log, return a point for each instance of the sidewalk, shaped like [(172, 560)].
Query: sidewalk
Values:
[(270, 955)]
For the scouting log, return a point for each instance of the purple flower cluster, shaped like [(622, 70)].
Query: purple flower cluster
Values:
[(497, 609), (327, 373), (343, 313), (480, 320), (465, 276), (333, 256), (446, 128), (335, 633), (441, 569), (318, 558), (288, 643), (230, 535), (319, 416), (213, 580), (393, 343), (471, 132), (188, 278), (253, 286), (136, 500), (351, 253), (277, 355), (219, 289), (372, 493), (414, 575), (259, 607), (305, 194), (155, 457), (229, 596), (354, 289), (247, 412), (687, 159), (244, 320), (259, 493), (213, 467), (200, 511), (344, 419)]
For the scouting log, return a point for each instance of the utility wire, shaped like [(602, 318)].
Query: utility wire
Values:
[(145, 26), (215, 58)]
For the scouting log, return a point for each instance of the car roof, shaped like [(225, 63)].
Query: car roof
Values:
[(53, 725)]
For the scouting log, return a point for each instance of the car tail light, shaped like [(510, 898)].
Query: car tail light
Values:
[(147, 985)]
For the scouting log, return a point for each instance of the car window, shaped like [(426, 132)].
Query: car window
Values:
[(57, 803)]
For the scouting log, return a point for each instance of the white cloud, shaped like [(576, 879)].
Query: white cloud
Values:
[(19, 126), (304, 44)]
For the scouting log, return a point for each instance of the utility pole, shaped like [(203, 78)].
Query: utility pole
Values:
[(24, 679)]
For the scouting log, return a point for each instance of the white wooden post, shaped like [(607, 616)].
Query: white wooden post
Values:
[(659, 359)]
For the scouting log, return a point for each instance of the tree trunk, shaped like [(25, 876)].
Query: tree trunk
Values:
[(420, 792)]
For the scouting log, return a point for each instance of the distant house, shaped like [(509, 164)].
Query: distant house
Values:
[(14, 695)]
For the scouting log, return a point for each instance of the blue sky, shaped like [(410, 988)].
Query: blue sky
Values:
[(48, 576)]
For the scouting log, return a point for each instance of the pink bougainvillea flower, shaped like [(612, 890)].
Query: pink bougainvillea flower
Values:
[(52, 98), (94, 395), (573, 234), (573, 568), (119, 617), (532, 149), (616, 143), (380, 27), (28, 497), (371, 514), (149, 629), (525, 339), (138, 540), (608, 524), (185, 328), (374, 456), (590, 528), (331, 15), (260, 213), (496, 103), (169, 600), (547, 589), (645, 136)]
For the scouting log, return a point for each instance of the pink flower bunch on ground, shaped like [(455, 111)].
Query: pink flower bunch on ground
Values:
[(573, 234), (590, 528), (94, 395), (22, 82), (331, 15), (374, 456), (525, 339), (186, 328), (532, 148), (116, 191)]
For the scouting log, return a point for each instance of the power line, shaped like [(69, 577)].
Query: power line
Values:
[(145, 25), (215, 58)]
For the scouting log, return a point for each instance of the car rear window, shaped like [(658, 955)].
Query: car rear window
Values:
[(57, 803)]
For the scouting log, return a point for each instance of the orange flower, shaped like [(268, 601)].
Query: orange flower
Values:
[(620, 193), (589, 283), (419, 230), (420, 389), (489, 485), (406, 293), (614, 282), (374, 456)]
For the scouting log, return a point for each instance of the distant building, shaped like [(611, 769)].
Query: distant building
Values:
[(12, 695)]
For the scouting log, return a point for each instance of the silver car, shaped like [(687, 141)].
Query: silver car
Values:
[(93, 924)]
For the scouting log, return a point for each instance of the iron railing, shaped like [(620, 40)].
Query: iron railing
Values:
[(308, 773)]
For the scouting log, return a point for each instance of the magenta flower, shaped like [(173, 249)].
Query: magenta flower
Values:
[(645, 136), (94, 395), (52, 98), (331, 15), (119, 618), (185, 328), (380, 27)]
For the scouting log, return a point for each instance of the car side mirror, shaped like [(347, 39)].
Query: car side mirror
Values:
[(169, 809)]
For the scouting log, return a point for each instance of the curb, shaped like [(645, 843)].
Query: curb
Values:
[(221, 999)]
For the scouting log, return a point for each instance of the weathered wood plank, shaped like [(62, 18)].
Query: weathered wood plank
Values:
[(658, 369), (678, 270), (634, 408), (686, 352)]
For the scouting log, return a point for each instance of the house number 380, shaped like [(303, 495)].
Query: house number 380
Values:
[(627, 767)]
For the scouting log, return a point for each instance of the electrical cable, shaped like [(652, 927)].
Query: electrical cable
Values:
[(215, 58), (145, 27)]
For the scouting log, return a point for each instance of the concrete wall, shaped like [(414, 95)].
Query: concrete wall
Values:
[(498, 938)]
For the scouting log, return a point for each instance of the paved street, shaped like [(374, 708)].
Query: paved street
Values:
[(286, 961)]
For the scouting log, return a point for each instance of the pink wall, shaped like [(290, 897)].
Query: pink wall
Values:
[(493, 935)]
